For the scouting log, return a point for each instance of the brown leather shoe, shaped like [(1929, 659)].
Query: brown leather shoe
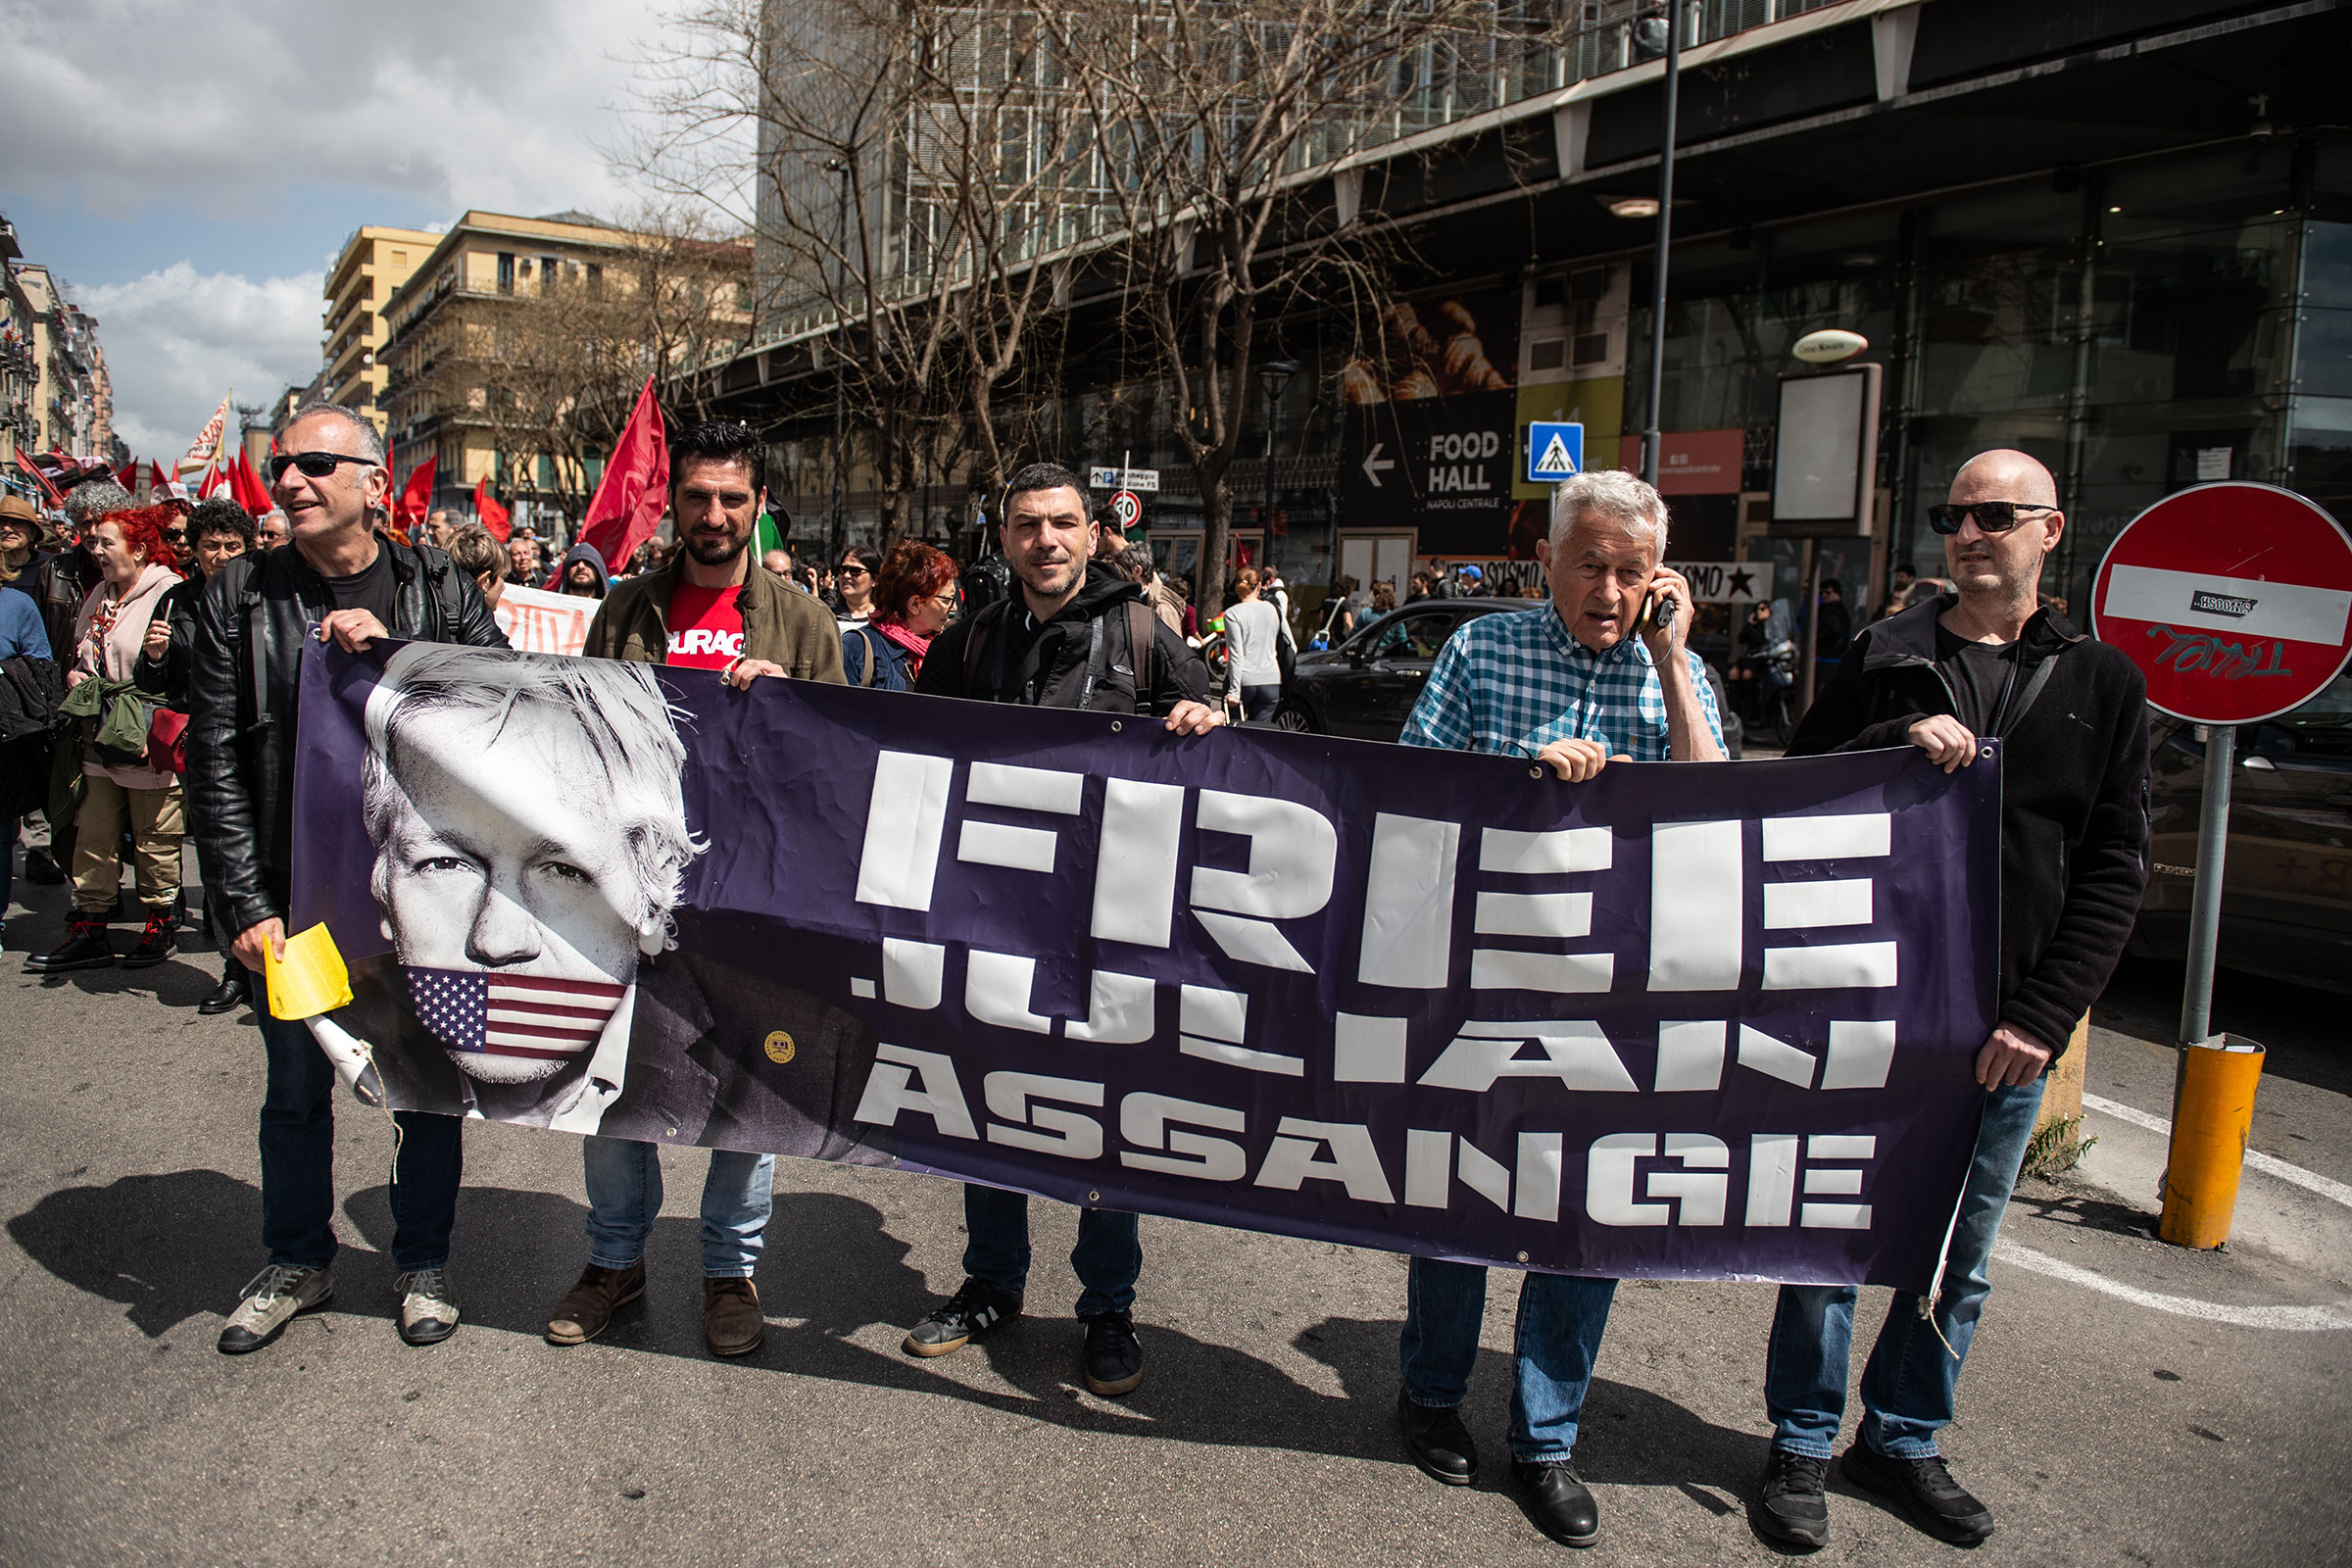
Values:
[(732, 1323), (587, 1309)]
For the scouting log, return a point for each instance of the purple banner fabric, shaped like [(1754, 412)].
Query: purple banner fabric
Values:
[(1698, 1021)]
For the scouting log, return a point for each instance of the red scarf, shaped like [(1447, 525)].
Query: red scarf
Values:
[(916, 646)]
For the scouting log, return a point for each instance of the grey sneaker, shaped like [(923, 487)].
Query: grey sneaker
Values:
[(429, 1307), (274, 1297)]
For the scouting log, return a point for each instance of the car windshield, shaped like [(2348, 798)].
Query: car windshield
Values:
[(1408, 634)]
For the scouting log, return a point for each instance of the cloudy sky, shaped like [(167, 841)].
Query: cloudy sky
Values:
[(190, 169)]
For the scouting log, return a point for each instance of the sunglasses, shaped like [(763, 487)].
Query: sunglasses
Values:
[(1992, 517), (851, 569), (314, 465)]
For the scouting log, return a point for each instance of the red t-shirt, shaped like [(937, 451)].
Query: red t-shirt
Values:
[(706, 627)]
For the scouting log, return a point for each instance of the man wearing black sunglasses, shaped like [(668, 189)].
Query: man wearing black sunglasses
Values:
[(346, 582), (2072, 715)]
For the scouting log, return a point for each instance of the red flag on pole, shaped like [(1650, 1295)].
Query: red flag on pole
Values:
[(127, 475), (494, 517), (635, 488), (415, 498)]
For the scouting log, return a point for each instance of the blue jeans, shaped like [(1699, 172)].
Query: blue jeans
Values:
[(1910, 1382), (298, 1159), (1561, 1318), (1109, 1256), (624, 1194)]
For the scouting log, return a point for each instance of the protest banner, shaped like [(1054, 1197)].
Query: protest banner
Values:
[(1684, 1020), (537, 621)]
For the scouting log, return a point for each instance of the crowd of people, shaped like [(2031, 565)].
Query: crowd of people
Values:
[(181, 629)]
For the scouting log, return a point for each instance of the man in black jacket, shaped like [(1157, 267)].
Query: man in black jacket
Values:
[(1075, 636), (2072, 715), (336, 577)]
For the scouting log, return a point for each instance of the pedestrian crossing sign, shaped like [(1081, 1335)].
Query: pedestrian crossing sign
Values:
[(1555, 452)]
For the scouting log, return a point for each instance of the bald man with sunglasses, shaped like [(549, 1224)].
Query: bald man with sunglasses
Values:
[(2072, 715)]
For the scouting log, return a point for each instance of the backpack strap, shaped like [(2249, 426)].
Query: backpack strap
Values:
[(984, 625), (1140, 624), (865, 676)]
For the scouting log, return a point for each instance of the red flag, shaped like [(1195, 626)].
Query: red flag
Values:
[(416, 497), (245, 486), (635, 488), (215, 479), (127, 475), (494, 517)]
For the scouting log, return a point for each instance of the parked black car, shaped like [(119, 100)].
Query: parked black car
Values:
[(2286, 884), (1366, 687)]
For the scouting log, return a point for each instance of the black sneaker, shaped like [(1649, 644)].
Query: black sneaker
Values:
[(1925, 1488), (976, 1307), (85, 947), (1114, 1357), (156, 944), (1794, 1508), (41, 866)]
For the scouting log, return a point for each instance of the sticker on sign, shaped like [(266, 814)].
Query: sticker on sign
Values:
[(2233, 598)]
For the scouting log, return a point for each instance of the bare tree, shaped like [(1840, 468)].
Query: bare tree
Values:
[(553, 370), (916, 176), (1210, 114)]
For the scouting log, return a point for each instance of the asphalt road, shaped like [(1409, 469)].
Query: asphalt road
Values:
[(2117, 1407)]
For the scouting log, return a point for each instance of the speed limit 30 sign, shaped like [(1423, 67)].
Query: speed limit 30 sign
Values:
[(2235, 600), (1126, 506)]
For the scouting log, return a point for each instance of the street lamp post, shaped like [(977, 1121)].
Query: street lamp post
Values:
[(1272, 378), (841, 229), (1651, 441)]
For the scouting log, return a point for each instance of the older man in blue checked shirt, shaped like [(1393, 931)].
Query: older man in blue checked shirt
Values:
[(1598, 675)]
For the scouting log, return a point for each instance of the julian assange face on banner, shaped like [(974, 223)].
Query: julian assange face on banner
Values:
[(529, 826)]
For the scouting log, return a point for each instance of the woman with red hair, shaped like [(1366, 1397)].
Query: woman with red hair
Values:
[(915, 599), (120, 790)]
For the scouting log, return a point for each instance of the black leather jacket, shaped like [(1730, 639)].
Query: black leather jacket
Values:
[(245, 672)]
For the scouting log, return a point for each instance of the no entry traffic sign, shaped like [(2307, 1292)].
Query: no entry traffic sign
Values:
[(2235, 600)]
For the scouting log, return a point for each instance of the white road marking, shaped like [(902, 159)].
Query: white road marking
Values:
[(2295, 1319), (2269, 1164)]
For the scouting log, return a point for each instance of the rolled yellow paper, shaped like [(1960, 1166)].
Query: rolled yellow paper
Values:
[(309, 980)]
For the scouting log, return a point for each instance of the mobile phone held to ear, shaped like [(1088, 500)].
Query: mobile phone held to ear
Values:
[(1657, 612)]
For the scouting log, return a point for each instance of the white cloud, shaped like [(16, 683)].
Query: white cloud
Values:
[(177, 340), (130, 103), (135, 111)]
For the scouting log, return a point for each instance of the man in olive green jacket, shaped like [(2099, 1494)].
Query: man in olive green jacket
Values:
[(712, 608)]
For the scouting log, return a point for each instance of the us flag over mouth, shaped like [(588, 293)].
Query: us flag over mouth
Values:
[(512, 1014)]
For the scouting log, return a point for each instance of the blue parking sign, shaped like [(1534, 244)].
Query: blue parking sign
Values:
[(1555, 452)]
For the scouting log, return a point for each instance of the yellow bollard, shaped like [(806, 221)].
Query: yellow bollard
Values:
[(2212, 1115)]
